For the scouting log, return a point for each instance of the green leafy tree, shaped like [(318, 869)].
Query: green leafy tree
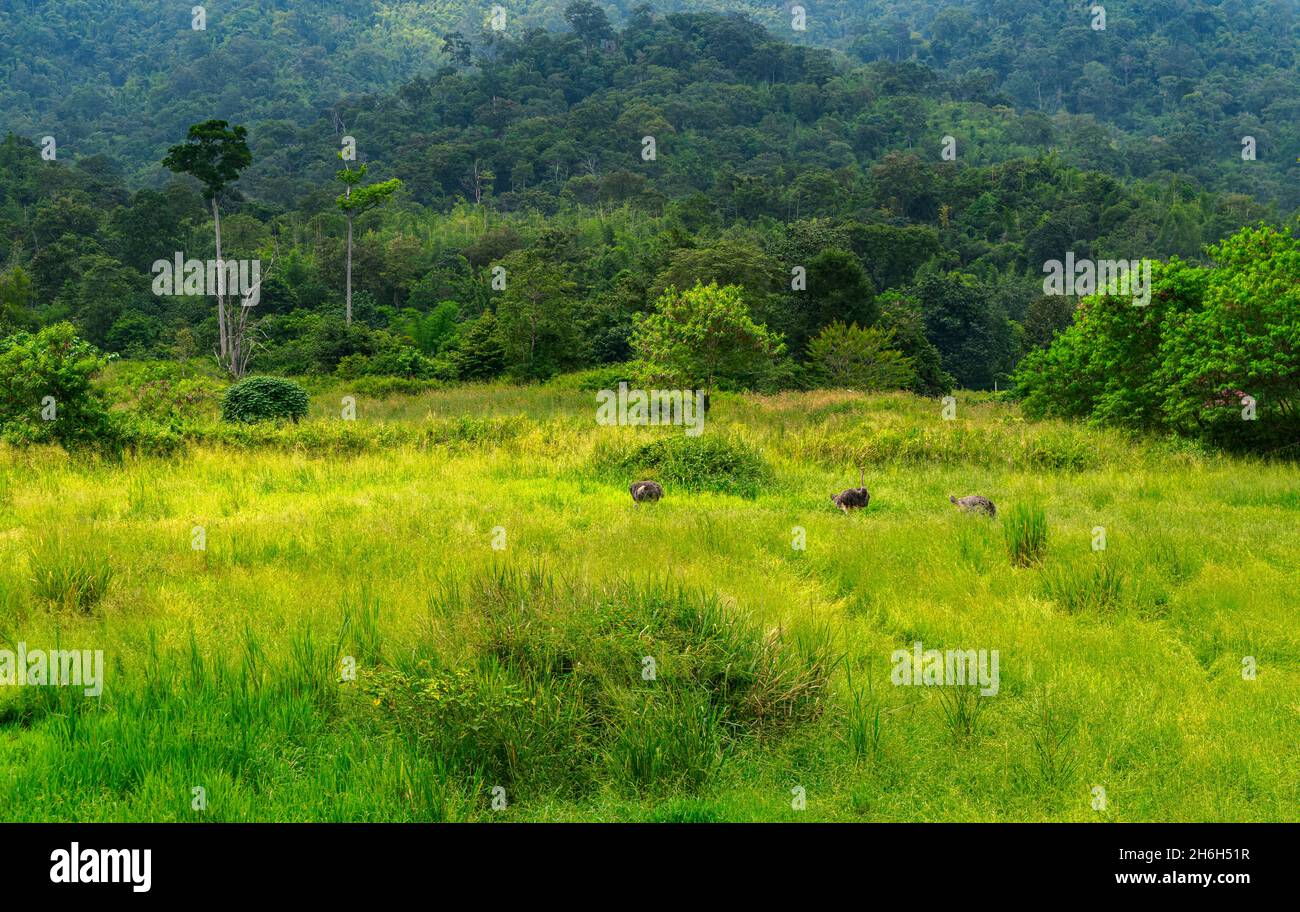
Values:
[(588, 22), (838, 290), (46, 395), (1240, 349), (1103, 366), (355, 200), (851, 357), (902, 317), (699, 336), (536, 318), (15, 299), (480, 354), (214, 153), (964, 325)]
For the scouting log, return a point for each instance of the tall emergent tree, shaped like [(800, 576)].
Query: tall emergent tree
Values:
[(214, 153), (356, 200)]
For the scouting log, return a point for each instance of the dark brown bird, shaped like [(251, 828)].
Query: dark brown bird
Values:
[(852, 498), (646, 491), (975, 504)]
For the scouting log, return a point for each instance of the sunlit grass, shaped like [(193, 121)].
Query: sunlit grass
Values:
[(1119, 668)]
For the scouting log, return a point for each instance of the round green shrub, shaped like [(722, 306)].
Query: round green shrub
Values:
[(264, 399)]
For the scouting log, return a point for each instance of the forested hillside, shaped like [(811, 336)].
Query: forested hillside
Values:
[(1167, 85), (902, 208)]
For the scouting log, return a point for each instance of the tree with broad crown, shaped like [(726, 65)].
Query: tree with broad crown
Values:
[(701, 335), (853, 357)]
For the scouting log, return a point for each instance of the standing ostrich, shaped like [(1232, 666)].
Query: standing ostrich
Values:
[(852, 498), (975, 504), (646, 491)]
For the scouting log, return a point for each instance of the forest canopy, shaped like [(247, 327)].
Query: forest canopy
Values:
[(880, 191)]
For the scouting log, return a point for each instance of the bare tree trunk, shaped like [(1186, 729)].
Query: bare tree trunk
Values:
[(221, 287), (349, 304)]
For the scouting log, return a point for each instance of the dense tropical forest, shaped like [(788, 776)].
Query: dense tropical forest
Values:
[(882, 186)]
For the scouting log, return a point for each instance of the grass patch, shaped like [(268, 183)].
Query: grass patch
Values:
[(1024, 527), (69, 575), (709, 462)]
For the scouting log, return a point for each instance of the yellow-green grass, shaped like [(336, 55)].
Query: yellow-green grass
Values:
[(1120, 669)]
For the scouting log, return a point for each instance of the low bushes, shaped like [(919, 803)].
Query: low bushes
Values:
[(264, 399), (709, 462), (1055, 448), (46, 394)]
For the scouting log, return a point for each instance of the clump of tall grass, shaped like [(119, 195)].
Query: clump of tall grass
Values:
[(862, 727), (1096, 585), (975, 541), (1025, 529), (552, 694), (673, 739), (1065, 449), (1052, 725), (963, 705), (709, 462), (361, 626), (1175, 562), (69, 574)]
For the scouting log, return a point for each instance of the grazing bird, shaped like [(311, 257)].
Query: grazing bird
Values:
[(646, 491), (975, 504), (852, 498)]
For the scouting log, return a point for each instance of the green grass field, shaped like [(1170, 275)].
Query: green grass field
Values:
[(512, 683)]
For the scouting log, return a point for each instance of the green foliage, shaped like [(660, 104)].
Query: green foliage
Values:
[(850, 357), (214, 153), (1094, 585), (607, 377), (46, 394), (1243, 342), (553, 695), (164, 391), (264, 399), (709, 462), (972, 336), (535, 317), (358, 198), (479, 355), (69, 574), (903, 318), (699, 336), (816, 160), (1211, 337)]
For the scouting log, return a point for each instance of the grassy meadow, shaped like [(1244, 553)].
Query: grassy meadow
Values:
[(474, 554)]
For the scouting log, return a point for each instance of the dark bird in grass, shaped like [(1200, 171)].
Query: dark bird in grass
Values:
[(975, 504), (852, 498), (646, 491)]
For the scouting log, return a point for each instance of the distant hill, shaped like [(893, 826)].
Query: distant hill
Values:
[(1182, 81)]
